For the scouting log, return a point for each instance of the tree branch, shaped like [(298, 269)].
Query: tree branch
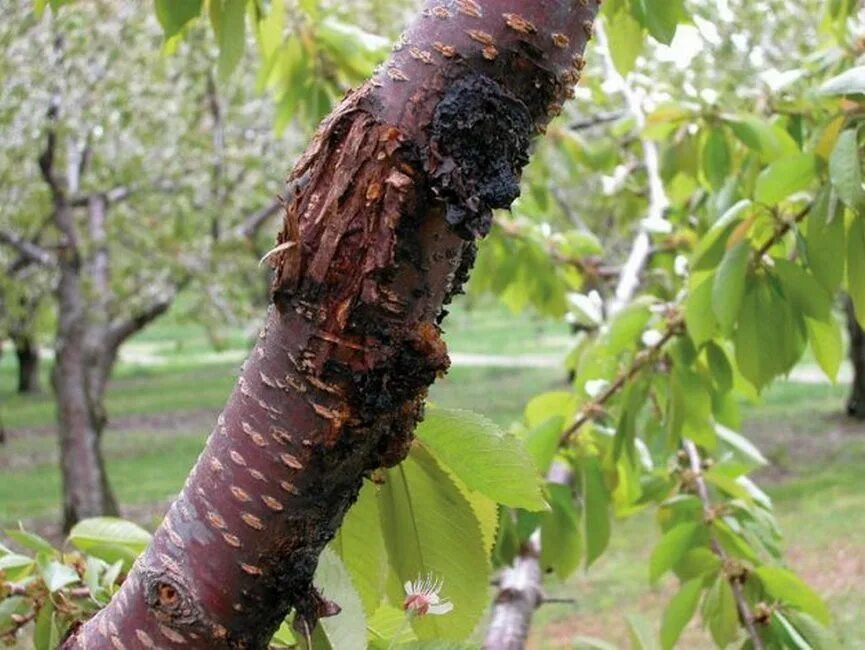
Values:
[(29, 250), (254, 222), (629, 280), (709, 514)]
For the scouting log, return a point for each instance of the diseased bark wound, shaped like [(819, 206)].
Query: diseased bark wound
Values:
[(379, 233)]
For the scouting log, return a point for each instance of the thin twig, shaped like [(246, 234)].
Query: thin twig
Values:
[(745, 612), (783, 229), (643, 359)]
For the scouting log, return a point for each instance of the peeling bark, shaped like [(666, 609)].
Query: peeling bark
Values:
[(856, 403), (379, 232)]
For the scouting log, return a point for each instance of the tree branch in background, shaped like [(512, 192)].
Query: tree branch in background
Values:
[(641, 250), (254, 222), (29, 250), (709, 515)]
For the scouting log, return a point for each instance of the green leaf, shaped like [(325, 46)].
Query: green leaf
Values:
[(803, 289), (11, 606), (728, 288), (596, 509), (856, 266), (662, 17), (360, 544), (561, 545), (769, 141), (827, 343), (346, 630), (16, 567), (542, 442), (711, 248), (741, 446), (845, 170), (787, 587), (716, 158), (173, 15), (32, 541), (673, 545), (825, 237), (46, 636), (39, 7), (431, 529), (815, 634), (849, 82), (699, 315), (232, 35), (57, 575), (679, 612), (626, 38), (784, 177), (771, 335), (484, 457), (110, 539), (787, 634), (640, 633), (720, 613)]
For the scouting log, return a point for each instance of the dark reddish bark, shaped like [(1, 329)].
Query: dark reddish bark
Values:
[(27, 354), (381, 218), (856, 403)]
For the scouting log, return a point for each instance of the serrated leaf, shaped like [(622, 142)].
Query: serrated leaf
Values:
[(360, 545), (728, 287), (845, 170), (346, 630), (789, 588), (711, 248), (431, 529), (787, 634), (542, 442), (561, 544), (784, 177), (467, 442), (11, 606), (679, 612), (671, 548), (46, 636)]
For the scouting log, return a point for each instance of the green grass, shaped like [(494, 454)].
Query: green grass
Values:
[(161, 414)]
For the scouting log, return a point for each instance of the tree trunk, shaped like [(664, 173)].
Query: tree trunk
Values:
[(27, 353), (86, 491), (856, 404), (382, 215)]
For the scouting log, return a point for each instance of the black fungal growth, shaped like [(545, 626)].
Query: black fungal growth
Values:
[(480, 140)]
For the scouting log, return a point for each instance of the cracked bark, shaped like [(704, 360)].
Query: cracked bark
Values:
[(380, 224)]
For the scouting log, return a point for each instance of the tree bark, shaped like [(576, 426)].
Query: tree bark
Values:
[(381, 219), (27, 353), (856, 403)]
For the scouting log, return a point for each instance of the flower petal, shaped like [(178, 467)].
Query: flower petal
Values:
[(441, 608)]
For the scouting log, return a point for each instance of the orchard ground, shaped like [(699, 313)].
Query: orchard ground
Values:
[(172, 381)]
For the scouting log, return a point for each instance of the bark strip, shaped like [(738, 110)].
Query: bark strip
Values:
[(856, 403), (381, 218)]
